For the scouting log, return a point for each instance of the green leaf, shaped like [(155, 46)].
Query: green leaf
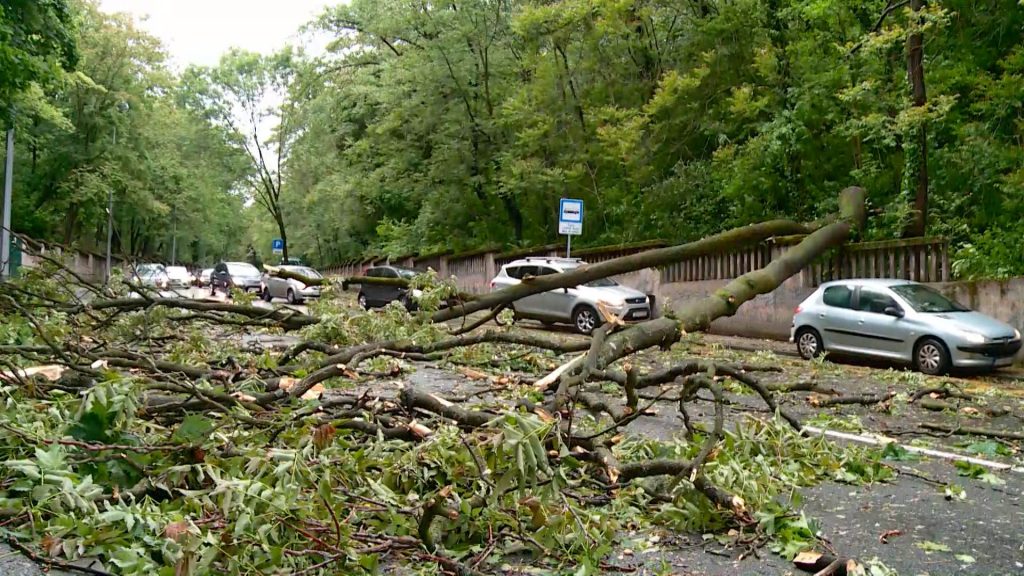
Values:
[(989, 448), (965, 558), (894, 451), (93, 426), (193, 429), (928, 546)]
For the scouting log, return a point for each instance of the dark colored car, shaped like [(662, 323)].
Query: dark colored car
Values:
[(378, 296), (241, 275)]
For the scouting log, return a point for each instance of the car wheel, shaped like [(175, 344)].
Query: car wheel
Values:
[(292, 299), (362, 301), (931, 357), (585, 319), (808, 343), (265, 295)]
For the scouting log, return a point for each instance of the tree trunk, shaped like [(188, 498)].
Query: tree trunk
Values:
[(915, 73), (279, 218)]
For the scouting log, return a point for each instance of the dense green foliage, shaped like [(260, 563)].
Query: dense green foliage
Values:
[(36, 43), (118, 123), (458, 125)]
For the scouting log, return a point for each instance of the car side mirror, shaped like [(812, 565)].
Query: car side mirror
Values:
[(893, 311)]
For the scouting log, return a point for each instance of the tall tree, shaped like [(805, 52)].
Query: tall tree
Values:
[(245, 94)]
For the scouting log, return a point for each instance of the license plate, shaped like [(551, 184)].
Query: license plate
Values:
[(640, 314)]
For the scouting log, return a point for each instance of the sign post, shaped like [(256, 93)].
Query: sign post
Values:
[(277, 245), (570, 221)]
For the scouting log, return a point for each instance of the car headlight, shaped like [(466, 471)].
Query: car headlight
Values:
[(300, 285), (972, 337), (1016, 334)]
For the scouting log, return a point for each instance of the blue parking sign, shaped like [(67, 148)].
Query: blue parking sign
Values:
[(277, 245)]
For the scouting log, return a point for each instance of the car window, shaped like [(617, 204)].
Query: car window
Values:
[(924, 299), (242, 269), (837, 296), (521, 272), (875, 301), (406, 273), (545, 271), (602, 283), (388, 273)]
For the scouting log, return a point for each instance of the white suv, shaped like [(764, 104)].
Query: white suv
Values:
[(577, 306)]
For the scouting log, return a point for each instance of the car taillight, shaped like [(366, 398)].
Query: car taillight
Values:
[(796, 310), (492, 285)]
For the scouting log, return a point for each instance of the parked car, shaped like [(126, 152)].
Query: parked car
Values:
[(179, 277), (295, 291), (151, 275), (378, 296), (241, 275), (204, 277), (576, 306), (902, 321)]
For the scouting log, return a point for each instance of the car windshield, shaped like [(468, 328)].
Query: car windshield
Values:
[(924, 299), (602, 283), (303, 270), (177, 271), (242, 270), (407, 274), (149, 269)]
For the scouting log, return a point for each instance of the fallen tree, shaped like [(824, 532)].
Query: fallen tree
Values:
[(167, 441)]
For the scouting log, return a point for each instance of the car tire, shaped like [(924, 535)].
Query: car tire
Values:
[(808, 343), (585, 319), (931, 357), (293, 299), (265, 295), (363, 303)]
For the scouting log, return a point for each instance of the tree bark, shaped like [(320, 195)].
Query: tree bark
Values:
[(915, 74)]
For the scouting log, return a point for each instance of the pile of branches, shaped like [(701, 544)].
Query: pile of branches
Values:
[(145, 432)]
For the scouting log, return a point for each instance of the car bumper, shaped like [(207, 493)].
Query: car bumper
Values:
[(309, 293), (632, 312), (993, 354)]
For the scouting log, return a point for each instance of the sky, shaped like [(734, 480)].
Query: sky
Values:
[(199, 31)]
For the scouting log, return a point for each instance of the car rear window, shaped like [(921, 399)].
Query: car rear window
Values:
[(837, 296)]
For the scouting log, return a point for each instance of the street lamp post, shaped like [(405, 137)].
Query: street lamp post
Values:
[(121, 107), (5, 233)]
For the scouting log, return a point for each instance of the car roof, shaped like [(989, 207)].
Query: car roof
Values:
[(546, 260), (877, 282)]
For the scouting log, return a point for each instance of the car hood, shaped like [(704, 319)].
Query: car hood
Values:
[(973, 322), (611, 292)]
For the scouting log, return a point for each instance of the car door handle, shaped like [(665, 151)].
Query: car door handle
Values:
[(822, 315)]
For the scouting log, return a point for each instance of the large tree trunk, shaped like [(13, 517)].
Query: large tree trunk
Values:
[(915, 73)]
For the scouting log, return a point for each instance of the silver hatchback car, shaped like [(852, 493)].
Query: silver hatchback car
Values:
[(902, 321), (577, 306), (292, 290)]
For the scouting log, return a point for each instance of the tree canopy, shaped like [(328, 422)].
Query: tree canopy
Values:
[(119, 123), (457, 126)]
